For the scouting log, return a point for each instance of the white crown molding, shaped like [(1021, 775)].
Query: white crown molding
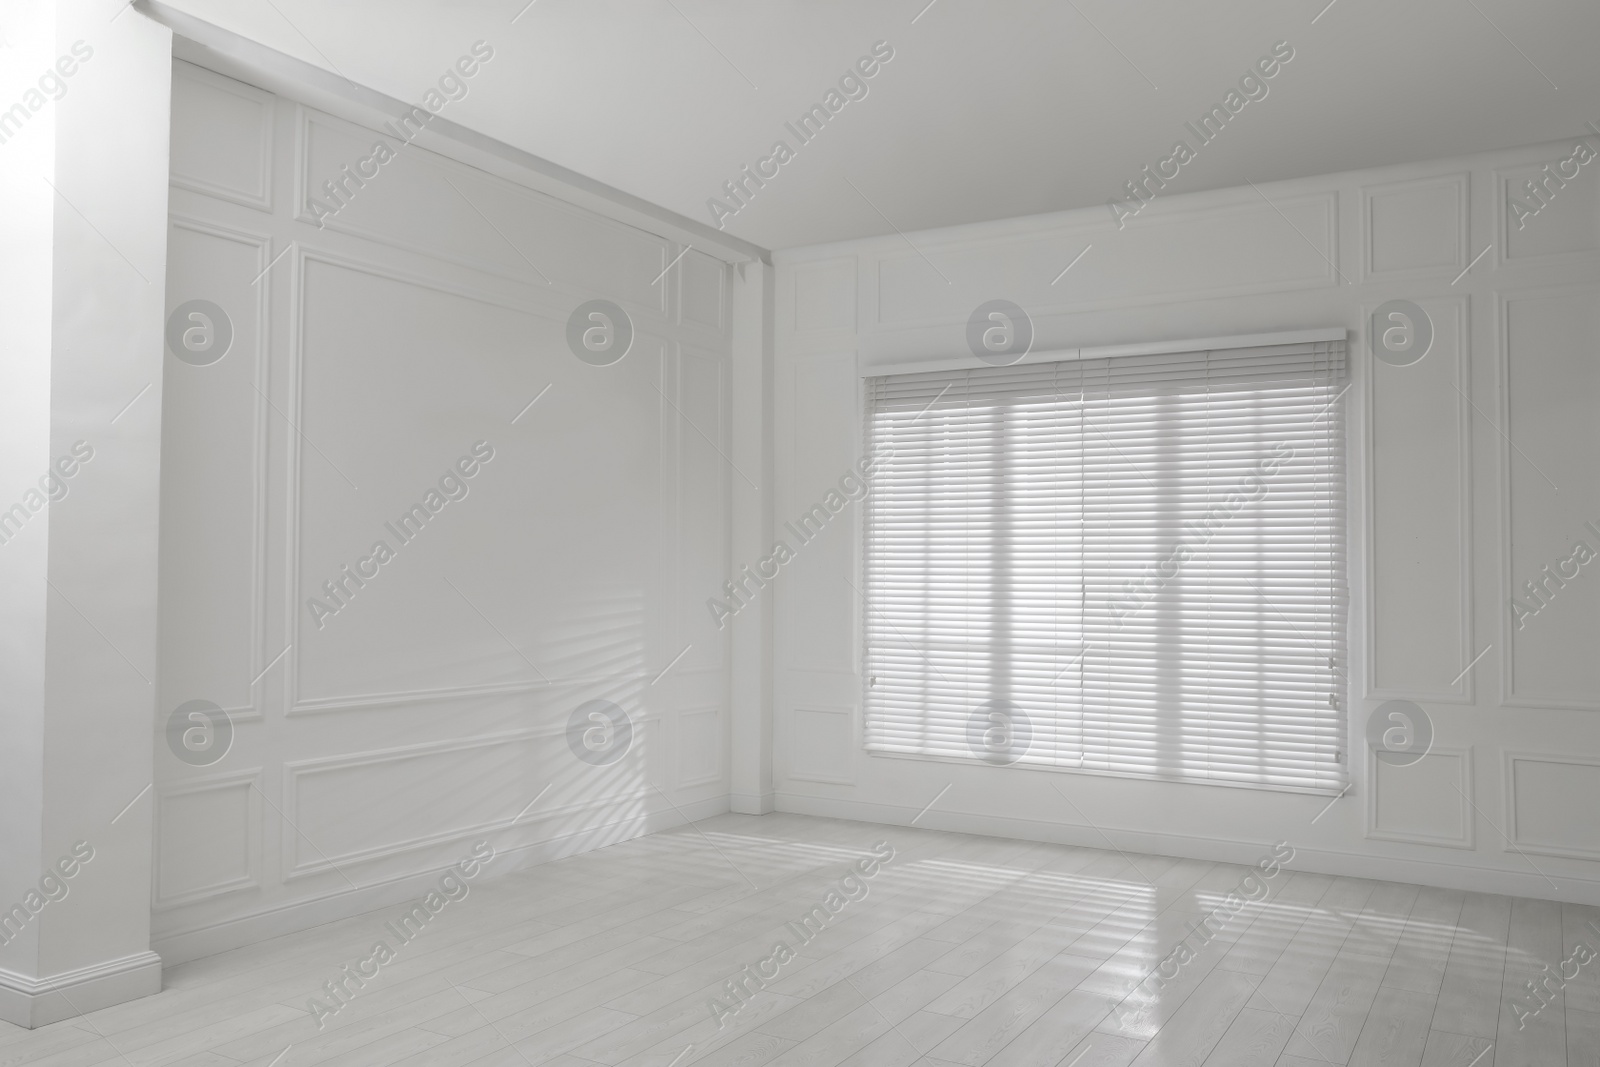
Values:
[(225, 52)]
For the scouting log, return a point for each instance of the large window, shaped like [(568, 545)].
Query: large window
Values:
[(1131, 565)]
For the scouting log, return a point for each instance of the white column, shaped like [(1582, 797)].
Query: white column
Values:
[(751, 645), (84, 121)]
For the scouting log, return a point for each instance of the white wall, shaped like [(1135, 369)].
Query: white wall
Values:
[(433, 708), (83, 162), (1446, 513)]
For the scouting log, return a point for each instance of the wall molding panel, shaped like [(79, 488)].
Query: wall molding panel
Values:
[(823, 745), (209, 103), (1426, 780), (1436, 486), (297, 772), (823, 297), (483, 204), (700, 747), (1427, 214), (818, 414), (1566, 228), (1422, 386), (698, 439), (701, 291), (446, 695), (299, 703), (384, 347), (1558, 816), (257, 375), (1182, 240), (169, 889), (1557, 635)]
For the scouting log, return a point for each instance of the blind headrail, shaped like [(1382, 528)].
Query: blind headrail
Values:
[(869, 368)]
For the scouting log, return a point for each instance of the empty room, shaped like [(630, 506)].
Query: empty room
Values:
[(695, 533)]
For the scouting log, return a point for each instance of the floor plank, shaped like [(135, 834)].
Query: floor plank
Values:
[(1469, 996), (965, 952)]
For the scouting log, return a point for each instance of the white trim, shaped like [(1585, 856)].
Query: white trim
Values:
[(1464, 690), (1460, 180), (33, 1002), (250, 778), (1332, 789), (719, 727), (1464, 785), (194, 942), (752, 803), (1143, 348), (400, 697), (224, 52), (252, 711), (854, 729), (1512, 840), (294, 866), (261, 200), (1398, 863), (1511, 471)]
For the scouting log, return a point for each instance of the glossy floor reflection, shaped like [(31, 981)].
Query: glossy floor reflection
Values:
[(960, 950)]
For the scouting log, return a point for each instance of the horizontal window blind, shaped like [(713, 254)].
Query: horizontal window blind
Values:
[(1131, 565)]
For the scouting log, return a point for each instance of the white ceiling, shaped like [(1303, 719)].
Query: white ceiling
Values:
[(989, 109)]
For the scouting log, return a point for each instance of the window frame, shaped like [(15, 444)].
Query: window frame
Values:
[(1345, 540)]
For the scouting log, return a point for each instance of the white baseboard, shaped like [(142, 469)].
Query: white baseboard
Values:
[(181, 946), (752, 803), (1566, 888), (32, 1002)]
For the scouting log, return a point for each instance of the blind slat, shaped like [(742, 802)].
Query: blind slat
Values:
[(1130, 566)]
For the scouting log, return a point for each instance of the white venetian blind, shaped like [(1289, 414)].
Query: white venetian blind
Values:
[(1131, 565)]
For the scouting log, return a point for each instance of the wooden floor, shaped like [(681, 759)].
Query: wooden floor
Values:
[(965, 950)]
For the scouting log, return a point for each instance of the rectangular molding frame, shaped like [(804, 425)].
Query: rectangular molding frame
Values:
[(852, 747), (1464, 783), (294, 703), (306, 117), (260, 458), (719, 729), (1502, 222), (1512, 840), (1462, 183), (222, 83), (1509, 697), (293, 770), (1465, 690), (791, 502), (213, 783)]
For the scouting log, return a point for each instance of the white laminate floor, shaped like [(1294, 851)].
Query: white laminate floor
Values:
[(963, 950)]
